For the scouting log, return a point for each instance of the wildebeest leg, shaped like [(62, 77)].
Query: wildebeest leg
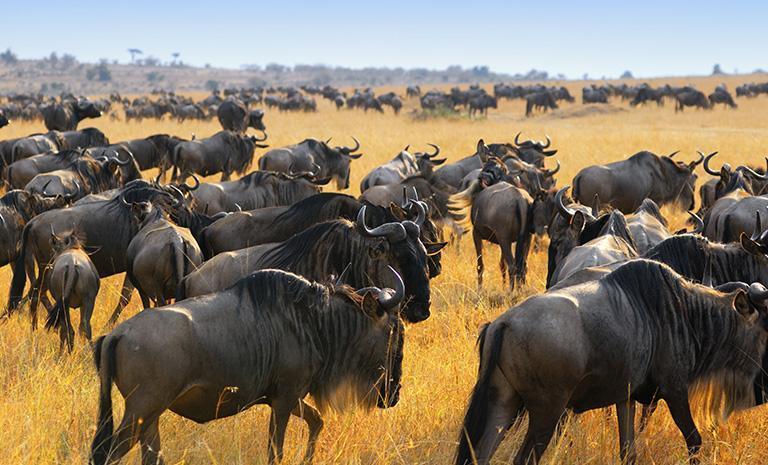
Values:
[(680, 410), (542, 422), (150, 444), (125, 297), (522, 249), (509, 259), (278, 421), (144, 300), (314, 423), (86, 312), (139, 423), (161, 301), (503, 268), (625, 413), (479, 252)]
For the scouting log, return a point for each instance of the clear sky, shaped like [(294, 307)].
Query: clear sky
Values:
[(650, 38)]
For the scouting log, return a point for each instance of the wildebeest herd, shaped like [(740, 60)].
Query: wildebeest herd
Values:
[(264, 289)]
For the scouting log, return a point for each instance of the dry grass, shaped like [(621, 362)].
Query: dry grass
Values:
[(48, 403)]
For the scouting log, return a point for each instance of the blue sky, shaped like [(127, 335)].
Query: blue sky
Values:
[(650, 38)]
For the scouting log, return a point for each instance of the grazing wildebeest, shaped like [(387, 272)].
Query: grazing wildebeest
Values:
[(501, 214), (593, 95), (160, 255), (258, 189), (233, 115), (453, 173), (412, 91), (720, 95), (225, 152), (273, 338), (642, 333), (67, 115), (19, 173), (540, 100), (108, 227), (74, 283), (613, 244), (404, 164), (481, 103), (151, 152), (625, 184), (648, 94), (309, 154), (691, 98), (327, 249)]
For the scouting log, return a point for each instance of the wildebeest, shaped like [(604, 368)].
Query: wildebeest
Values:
[(613, 243), (501, 214), (67, 115), (327, 249), (481, 104), (309, 154), (691, 98), (17, 207), (225, 152), (533, 152), (540, 100), (412, 91), (55, 141), (159, 255), (642, 333), (19, 173), (593, 95), (234, 116), (404, 164), (74, 283), (273, 338), (647, 226), (82, 177), (625, 184), (150, 152), (108, 228), (721, 95), (258, 189)]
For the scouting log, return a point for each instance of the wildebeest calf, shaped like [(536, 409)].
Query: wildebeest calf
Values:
[(74, 283)]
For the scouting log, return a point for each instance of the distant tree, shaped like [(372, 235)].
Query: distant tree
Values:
[(480, 71), (134, 52), (212, 84), (154, 76), (99, 72), (717, 70), (175, 56), (68, 60), (53, 59), (627, 75), (8, 57)]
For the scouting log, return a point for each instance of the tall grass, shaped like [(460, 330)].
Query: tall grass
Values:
[(48, 402)]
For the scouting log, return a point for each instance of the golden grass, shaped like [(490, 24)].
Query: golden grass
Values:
[(48, 402)]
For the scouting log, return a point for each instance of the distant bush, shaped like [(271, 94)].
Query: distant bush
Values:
[(154, 76), (8, 57), (212, 84)]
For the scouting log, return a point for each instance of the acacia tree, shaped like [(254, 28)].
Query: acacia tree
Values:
[(134, 52)]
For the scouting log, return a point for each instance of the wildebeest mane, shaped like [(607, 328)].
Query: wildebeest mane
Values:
[(324, 206), (694, 323), (650, 207), (616, 225)]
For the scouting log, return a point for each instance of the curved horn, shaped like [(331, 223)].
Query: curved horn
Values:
[(596, 205), (437, 151), (394, 232), (699, 228), (706, 163), (763, 177), (758, 227), (117, 160), (191, 188), (758, 294), (421, 216), (549, 142), (727, 288), (696, 163), (328, 141), (389, 301), (517, 138), (261, 140), (407, 147), (547, 172), (672, 155), (561, 208), (350, 150)]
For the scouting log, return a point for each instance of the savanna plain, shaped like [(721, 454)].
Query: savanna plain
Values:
[(48, 400)]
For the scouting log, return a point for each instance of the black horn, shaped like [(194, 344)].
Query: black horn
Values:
[(707, 159), (561, 208), (394, 232)]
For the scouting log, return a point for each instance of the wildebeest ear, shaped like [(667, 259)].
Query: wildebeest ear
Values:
[(578, 221), (378, 250), (397, 211), (371, 306), (741, 303), (482, 150), (433, 248), (750, 245)]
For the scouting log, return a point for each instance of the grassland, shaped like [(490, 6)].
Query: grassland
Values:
[(48, 402)]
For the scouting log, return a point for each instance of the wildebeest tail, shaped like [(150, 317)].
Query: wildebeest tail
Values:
[(179, 257), (58, 316), (175, 161), (181, 292), (475, 420), (576, 188), (19, 273), (106, 365), (460, 205)]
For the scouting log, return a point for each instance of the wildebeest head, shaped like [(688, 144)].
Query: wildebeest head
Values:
[(533, 152), (339, 160), (743, 177), (494, 171), (431, 236), (256, 120), (61, 242), (426, 162), (543, 210), (386, 341), (87, 109), (400, 243), (680, 179)]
